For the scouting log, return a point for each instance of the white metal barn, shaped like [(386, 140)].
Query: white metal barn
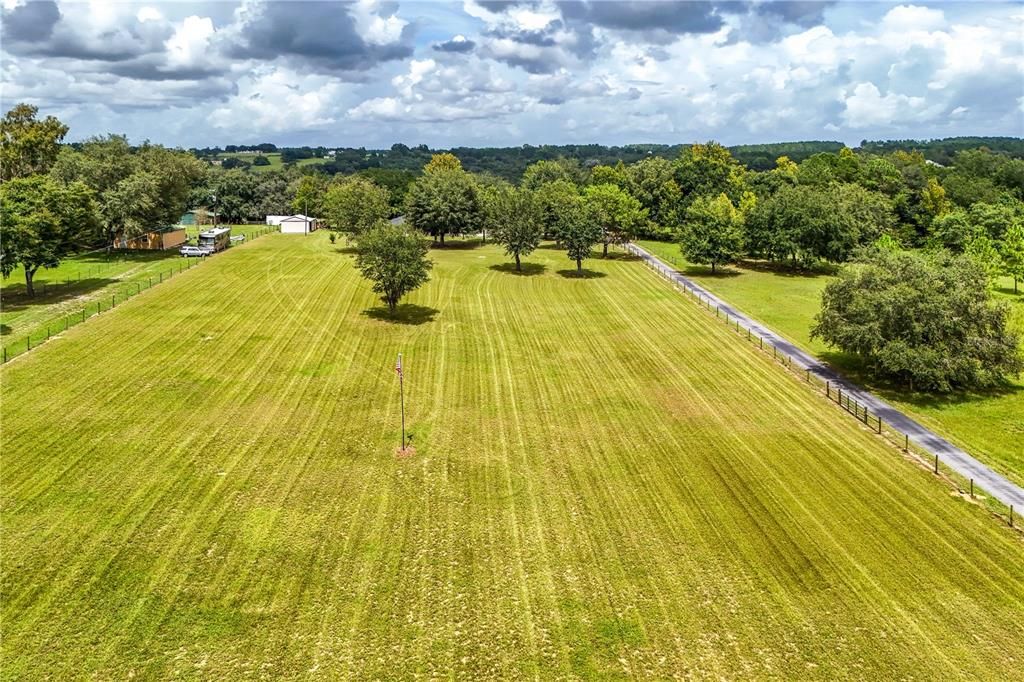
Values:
[(298, 224), (276, 219)]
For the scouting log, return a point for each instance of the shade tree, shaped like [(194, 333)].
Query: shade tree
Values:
[(354, 205), (444, 202), (43, 221), (513, 217), (554, 201), (712, 232), (924, 320), (618, 214), (394, 259), (577, 231)]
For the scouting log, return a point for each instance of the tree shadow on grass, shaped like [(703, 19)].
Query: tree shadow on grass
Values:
[(721, 272), (529, 269), (406, 313), (1008, 291), (787, 270), (457, 244), (348, 250), (550, 246), (582, 274), (621, 255), (859, 372), (15, 296)]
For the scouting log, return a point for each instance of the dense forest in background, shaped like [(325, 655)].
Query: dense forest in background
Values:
[(510, 162)]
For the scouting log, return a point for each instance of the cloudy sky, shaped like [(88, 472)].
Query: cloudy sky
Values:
[(498, 73)]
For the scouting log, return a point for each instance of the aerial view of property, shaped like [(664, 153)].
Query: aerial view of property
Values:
[(530, 339)]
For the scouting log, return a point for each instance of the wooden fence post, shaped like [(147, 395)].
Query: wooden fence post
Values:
[(906, 443), (972, 488), (936, 464)]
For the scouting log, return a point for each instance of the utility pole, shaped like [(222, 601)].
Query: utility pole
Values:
[(401, 391)]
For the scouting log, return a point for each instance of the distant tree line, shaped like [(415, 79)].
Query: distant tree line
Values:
[(509, 163)]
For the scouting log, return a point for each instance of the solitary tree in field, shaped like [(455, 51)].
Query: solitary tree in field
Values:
[(713, 231), (1013, 253), (616, 211), (395, 260), (577, 232), (926, 321), (355, 205), (42, 222), (514, 220)]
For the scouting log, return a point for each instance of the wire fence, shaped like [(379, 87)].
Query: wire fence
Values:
[(964, 486), (127, 290)]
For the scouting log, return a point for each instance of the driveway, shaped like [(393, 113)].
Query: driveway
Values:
[(994, 484)]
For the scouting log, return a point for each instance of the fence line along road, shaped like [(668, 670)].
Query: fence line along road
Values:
[(959, 461)]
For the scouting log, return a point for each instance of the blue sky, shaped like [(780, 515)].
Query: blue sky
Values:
[(482, 73)]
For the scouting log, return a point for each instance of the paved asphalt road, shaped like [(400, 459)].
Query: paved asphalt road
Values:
[(996, 485)]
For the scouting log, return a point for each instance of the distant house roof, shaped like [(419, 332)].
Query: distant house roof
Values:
[(298, 217), (398, 220)]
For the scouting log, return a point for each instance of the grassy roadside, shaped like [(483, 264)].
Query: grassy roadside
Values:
[(989, 425), (606, 484)]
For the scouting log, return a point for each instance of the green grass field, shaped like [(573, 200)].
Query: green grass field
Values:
[(274, 158), (80, 282), (204, 484), (989, 425)]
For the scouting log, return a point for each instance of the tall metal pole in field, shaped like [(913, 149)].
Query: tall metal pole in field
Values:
[(401, 390)]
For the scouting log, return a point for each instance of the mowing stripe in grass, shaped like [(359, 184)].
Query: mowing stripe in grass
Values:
[(606, 483)]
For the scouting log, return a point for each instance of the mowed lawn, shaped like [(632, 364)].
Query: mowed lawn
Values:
[(82, 281), (203, 483), (989, 425)]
